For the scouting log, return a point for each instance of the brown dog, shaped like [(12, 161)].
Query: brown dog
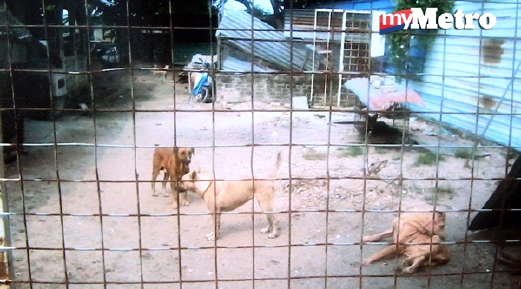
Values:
[(176, 163), (224, 196), (418, 236), (160, 71)]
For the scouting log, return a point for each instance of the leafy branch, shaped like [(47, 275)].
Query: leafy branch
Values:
[(399, 42)]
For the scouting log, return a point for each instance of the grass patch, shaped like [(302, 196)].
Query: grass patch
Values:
[(464, 153), (434, 194), (427, 159), (381, 150), (354, 151), (312, 155)]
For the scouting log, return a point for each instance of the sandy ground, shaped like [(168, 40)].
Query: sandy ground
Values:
[(96, 201)]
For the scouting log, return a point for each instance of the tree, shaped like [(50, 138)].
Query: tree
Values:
[(144, 13)]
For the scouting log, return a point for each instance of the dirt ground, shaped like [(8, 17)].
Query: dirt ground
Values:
[(96, 201)]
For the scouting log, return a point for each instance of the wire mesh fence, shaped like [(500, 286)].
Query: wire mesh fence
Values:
[(297, 134)]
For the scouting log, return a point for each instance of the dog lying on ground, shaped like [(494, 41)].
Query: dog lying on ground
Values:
[(418, 236), (175, 162), (224, 196), (160, 71)]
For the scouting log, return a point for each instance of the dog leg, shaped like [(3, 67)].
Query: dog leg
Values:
[(218, 225), (216, 218), (377, 237), (183, 198), (155, 173), (410, 260), (163, 184), (379, 255), (180, 193), (427, 253), (438, 256), (415, 264), (175, 196), (266, 204), (210, 236), (274, 223)]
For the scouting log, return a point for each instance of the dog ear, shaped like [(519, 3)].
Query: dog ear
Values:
[(176, 150), (192, 150)]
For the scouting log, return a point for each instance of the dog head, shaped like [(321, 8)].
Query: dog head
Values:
[(433, 224), (184, 155), (196, 182), (439, 224)]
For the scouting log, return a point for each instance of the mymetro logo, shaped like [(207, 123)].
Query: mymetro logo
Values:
[(415, 18)]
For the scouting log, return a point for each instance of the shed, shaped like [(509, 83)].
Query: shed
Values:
[(312, 40)]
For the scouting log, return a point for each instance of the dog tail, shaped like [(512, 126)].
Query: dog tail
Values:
[(277, 166)]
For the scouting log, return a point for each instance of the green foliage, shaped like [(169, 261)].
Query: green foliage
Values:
[(464, 153), (427, 159), (353, 151), (145, 13), (50, 7), (434, 194), (399, 42), (312, 155)]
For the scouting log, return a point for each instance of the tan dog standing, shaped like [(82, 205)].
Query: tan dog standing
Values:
[(224, 196), (418, 236), (175, 162), (160, 71)]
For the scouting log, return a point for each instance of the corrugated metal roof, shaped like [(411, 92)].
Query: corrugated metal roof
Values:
[(236, 65), (240, 28), (472, 76)]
